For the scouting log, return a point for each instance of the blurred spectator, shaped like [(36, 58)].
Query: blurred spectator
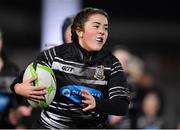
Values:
[(150, 117), (140, 83), (144, 83), (123, 54), (66, 29), (16, 112), (136, 69), (8, 71), (12, 108), (135, 72), (66, 32)]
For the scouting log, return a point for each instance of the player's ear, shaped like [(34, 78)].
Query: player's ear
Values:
[(79, 32)]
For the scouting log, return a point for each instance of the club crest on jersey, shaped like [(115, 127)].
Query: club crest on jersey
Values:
[(99, 73)]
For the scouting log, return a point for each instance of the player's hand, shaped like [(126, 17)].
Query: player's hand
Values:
[(27, 90), (89, 100)]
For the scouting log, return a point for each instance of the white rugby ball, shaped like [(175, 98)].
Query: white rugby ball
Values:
[(45, 77)]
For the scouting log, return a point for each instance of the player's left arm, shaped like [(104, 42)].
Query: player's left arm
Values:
[(118, 101)]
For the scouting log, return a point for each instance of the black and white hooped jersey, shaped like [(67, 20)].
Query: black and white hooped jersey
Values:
[(99, 73)]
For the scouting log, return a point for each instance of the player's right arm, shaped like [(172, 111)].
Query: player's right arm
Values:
[(27, 90)]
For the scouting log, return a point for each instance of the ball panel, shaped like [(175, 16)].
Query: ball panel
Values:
[(47, 68), (32, 103), (43, 104), (45, 77)]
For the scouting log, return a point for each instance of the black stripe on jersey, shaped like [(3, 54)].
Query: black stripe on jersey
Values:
[(50, 54), (54, 52)]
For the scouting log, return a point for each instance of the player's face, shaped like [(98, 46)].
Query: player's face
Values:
[(95, 33)]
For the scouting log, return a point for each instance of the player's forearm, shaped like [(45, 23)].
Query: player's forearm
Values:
[(17, 80)]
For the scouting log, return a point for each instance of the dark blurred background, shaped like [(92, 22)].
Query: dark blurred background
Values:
[(150, 29)]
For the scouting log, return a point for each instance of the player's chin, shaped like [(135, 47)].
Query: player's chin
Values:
[(97, 47)]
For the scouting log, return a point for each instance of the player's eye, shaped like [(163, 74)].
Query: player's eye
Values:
[(96, 26)]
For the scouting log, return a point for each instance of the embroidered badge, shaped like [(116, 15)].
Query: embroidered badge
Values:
[(99, 74)]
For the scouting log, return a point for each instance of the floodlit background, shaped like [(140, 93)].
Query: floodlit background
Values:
[(150, 29)]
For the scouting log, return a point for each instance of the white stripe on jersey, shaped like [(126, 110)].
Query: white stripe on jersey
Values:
[(49, 122), (116, 72), (67, 68), (59, 108), (116, 63), (118, 95), (76, 71), (117, 87), (118, 91), (76, 63), (58, 117), (116, 67), (95, 82), (47, 58)]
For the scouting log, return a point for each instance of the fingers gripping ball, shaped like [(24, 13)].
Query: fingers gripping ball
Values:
[(45, 77)]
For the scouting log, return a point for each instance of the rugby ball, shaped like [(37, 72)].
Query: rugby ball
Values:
[(45, 77)]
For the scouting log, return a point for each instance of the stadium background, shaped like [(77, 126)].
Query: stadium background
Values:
[(151, 29)]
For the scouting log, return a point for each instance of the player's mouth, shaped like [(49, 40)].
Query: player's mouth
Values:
[(99, 39)]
